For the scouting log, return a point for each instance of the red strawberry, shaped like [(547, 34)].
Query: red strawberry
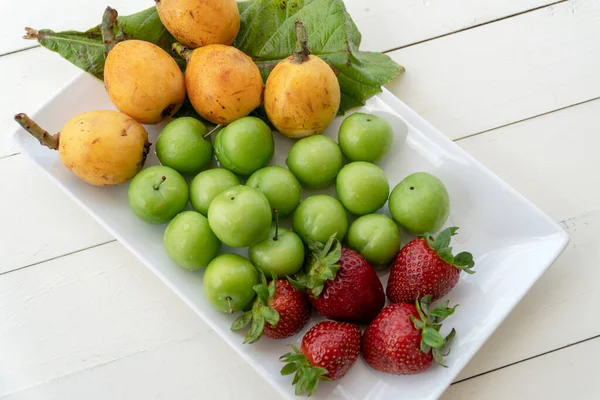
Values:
[(341, 284), (328, 350), (405, 339), (280, 310), (426, 265)]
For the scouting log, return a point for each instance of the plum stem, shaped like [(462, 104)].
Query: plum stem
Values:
[(162, 179), (301, 53), (46, 139), (216, 128), (107, 28), (229, 304), (182, 51), (276, 238)]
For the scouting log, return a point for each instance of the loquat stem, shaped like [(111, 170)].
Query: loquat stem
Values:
[(301, 53), (107, 27), (46, 139), (182, 51)]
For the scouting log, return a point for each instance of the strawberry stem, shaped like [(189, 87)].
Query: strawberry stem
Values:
[(307, 376), (441, 245), (429, 323)]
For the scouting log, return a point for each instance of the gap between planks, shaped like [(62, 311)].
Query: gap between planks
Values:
[(475, 26)]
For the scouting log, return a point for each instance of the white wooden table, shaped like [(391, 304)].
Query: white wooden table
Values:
[(515, 82)]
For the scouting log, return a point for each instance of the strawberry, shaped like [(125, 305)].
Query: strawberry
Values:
[(328, 350), (404, 339), (279, 311), (341, 284), (426, 265)]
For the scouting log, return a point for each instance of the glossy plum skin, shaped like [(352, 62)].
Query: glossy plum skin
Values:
[(420, 203), (318, 217), (209, 184), (365, 137), (181, 145), (157, 200), (315, 161), (281, 257), (376, 237), (362, 187), (190, 242), (280, 186), (240, 216), (245, 146)]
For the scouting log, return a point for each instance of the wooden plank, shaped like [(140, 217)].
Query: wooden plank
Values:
[(544, 319), (85, 310), (39, 221), (146, 329), (55, 15), (570, 373), (202, 367), (385, 24), (551, 160), (389, 24), (27, 82), (506, 71)]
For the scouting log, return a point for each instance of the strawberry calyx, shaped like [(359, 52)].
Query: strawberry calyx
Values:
[(260, 313), (441, 245), (322, 266), (430, 322), (307, 376)]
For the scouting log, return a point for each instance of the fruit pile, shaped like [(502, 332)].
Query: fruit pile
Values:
[(327, 261)]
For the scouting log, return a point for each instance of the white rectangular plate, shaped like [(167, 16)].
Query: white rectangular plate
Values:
[(513, 242)]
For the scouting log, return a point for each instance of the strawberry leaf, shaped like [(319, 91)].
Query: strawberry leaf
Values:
[(322, 266), (241, 321), (307, 376), (259, 313), (441, 245), (432, 338), (429, 323)]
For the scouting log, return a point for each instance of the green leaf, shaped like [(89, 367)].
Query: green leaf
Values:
[(256, 329), (444, 237), (289, 369), (262, 292), (432, 338), (438, 357), (464, 261), (86, 49), (241, 321), (271, 316), (442, 312), (267, 34)]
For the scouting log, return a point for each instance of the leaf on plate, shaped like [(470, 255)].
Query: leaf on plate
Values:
[(267, 34), (86, 49)]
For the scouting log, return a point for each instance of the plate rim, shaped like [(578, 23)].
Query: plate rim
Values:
[(562, 237)]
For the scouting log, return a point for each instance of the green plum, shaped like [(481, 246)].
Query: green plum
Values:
[(376, 237), (189, 241), (365, 137), (318, 217), (281, 253), (207, 185), (280, 186), (229, 282), (157, 194), (181, 145), (362, 187), (315, 161), (240, 216), (420, 203), (245, 146)]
